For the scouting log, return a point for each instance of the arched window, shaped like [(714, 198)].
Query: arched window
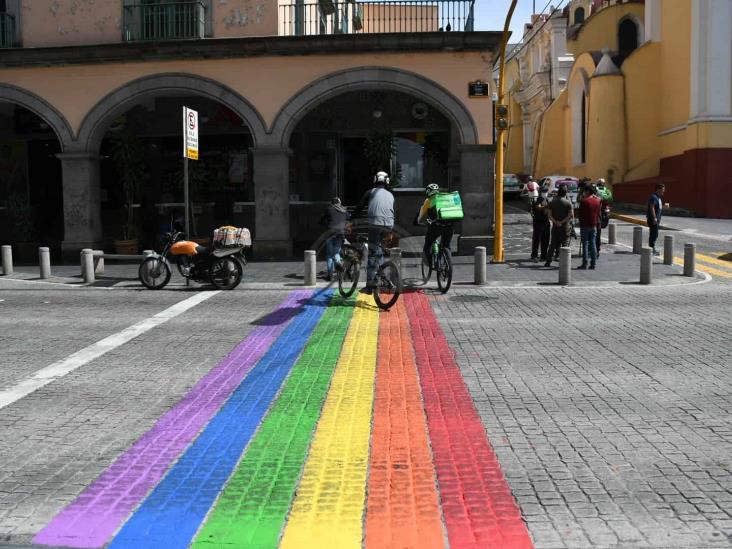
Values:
[(583, 130), (579, 16), (627, 37), (578, 103)]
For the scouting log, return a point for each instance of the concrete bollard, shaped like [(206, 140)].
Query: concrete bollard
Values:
[(565, 266), (668, 249), (612, 234), (646, 265), (148, 252), (395, 254), (480, 265), (7, 254), (637, 239), (44, 262), (309, 267), (87, 265), (689, 259), (98, 263)]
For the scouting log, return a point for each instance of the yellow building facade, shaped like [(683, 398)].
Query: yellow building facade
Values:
[(648, 100)]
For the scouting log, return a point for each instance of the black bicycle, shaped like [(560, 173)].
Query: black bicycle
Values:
[(388, 280), (439, 261)]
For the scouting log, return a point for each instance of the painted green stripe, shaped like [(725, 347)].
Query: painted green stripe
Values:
[(251, 510)]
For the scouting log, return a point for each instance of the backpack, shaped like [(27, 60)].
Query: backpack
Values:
[(448, 206)]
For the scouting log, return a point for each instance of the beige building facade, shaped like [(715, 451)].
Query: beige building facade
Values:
[(286, 121)]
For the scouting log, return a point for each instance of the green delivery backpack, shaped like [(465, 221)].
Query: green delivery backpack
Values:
[(448, 206)]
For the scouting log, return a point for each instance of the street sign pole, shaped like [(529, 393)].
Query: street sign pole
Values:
[(186, 198), (190, 151)]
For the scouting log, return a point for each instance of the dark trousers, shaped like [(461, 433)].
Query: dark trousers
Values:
[(598, 238), (435, 230), (652, 235), (540, 237), (376, 252), (560, 239)]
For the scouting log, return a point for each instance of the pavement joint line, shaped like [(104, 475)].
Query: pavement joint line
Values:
[(60, 368), (138, 469), (253, 507), (173, 512), (328, 508)]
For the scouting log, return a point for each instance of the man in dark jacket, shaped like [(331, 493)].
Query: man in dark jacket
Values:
[(334, 218), (561, 214), (542, 229)]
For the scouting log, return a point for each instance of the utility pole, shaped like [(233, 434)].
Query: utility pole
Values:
[(498, 236)]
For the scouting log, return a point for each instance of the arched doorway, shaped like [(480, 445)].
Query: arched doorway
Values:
[(31, 203), (628, 37), (145, 116)]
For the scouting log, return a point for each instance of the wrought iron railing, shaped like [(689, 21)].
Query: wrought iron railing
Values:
[(345, 17), (7, 30), (169, 21)]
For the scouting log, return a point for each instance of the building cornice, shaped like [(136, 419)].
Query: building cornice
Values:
[(227, 48)]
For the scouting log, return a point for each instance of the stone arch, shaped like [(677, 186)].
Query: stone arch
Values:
[(361, 78), (96, 121), (42, 108)]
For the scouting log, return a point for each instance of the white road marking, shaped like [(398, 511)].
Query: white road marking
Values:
[(62, 367)]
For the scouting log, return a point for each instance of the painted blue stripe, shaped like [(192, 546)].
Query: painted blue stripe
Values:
[(172, 513)]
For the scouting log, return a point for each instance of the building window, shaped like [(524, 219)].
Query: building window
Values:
[(583, 130), (627, 37), (578, 102), (579, 16)]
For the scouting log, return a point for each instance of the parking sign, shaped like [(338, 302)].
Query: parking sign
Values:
[(190, 134)]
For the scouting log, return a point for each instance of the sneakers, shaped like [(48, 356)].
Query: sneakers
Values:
[(592, 266), (548, 263), (583, 267), (656, 252)]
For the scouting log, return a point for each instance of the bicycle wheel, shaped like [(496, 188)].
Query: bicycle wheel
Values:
[(388, 285), (348, 277), (444, 270), (426, 268), (226, 273), (154, 272)]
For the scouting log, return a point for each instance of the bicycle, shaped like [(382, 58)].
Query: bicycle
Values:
[(439, 261), (388, 285)]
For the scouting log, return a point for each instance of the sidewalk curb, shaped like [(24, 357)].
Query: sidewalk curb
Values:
[(636, 221)]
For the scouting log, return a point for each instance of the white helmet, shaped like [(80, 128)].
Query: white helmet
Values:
[(381, 177), (432, 189)]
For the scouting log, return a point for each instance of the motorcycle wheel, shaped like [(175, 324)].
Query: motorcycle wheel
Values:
[(154, 273), (226, 273)]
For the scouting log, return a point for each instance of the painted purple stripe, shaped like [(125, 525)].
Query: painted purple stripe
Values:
[(93, 517)]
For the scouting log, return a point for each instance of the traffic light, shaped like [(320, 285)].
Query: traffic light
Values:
[(501, 117)]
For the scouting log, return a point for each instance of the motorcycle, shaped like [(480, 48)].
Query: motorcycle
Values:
[(221, 265)]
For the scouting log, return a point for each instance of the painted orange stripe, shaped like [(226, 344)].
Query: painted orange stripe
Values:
[(403, 507)]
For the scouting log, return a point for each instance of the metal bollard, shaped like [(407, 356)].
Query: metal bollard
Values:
[(480, 265), (309, 267), (646, 265), (98, 262), (668, 249), (87, 265), (565, 266), (44, 262), (7, 253), (637, 239), (689, 259), (612, 235), (395, 254)]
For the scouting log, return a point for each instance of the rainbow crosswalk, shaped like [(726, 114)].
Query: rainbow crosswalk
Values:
[(331, 425)]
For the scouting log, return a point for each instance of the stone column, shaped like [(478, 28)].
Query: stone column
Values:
[(272, 202), (82, 205), (477, 192)]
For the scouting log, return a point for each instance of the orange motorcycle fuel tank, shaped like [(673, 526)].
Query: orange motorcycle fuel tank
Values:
[(184, 247)]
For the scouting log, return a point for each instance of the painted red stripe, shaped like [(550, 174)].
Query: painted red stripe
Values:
[(479, 509)]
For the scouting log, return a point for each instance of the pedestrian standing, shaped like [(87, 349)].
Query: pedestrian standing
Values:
[(334, 218), (654, 212), (561, 215), (589, 218), (542, 229)]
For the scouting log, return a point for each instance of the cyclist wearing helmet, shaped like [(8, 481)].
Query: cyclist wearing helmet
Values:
[(435, 228), (380, 215)]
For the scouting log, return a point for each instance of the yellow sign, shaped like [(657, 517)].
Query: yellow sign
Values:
[(191, 154)]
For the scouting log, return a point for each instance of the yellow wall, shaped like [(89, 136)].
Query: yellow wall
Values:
[(606, 143), (642, 91), (675, 69), (551, 154), (601, 29), (267, 83)]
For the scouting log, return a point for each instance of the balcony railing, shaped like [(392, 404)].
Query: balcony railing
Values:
[(345, 17), (169, 21), (7, 31)]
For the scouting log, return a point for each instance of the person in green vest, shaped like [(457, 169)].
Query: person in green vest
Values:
[(435, 226)]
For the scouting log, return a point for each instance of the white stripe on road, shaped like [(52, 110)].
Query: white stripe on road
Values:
[(62, 367)]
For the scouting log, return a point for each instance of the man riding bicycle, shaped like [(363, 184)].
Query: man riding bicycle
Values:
[(380, 216), (436, 228)]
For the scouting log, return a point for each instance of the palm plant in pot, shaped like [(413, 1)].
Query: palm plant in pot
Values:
[(129, 157)]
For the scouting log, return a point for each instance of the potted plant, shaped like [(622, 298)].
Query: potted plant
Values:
[(129, 157)]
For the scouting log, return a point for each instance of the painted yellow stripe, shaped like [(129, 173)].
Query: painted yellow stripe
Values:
[(714, 260), (705, 268), (328, 509)]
